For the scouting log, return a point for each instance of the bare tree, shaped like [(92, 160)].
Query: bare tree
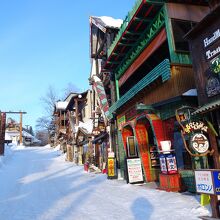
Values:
[(49, 100), (69, 89), (46, 122), (43, 123)]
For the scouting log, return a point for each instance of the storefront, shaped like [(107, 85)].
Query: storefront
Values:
[(204, 42)]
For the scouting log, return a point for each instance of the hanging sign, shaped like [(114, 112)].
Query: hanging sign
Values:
[(134, 168), (199, 142)]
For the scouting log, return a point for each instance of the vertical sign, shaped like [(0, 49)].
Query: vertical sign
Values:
[(100, 91), (111, 167), (163, 164), (171, 164)]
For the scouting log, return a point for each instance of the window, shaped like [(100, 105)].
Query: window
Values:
[(180, 29)]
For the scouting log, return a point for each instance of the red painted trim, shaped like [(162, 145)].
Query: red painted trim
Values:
[(145, 15), (154, 45), (126, 30)]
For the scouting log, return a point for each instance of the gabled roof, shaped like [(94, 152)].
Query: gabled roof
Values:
[(105, 22)]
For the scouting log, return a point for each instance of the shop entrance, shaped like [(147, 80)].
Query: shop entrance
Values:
[(147, 149)]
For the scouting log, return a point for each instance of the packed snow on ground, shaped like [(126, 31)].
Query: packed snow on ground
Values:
[(37, 183)]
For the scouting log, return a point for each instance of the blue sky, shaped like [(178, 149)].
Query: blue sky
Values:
[(43, 43)]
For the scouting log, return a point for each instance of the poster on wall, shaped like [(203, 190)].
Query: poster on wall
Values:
[(134, 169)]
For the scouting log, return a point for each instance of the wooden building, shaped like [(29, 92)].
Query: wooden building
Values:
[(102, 32), (71, 114), (204, 42), (153, 75)]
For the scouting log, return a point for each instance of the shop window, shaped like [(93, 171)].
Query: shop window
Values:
[(180, 29), (131, 146)]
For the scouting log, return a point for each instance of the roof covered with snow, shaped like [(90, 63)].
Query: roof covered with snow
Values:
[(61, 105), (104, 22)]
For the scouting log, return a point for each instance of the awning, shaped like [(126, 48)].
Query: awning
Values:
[(207, 107)]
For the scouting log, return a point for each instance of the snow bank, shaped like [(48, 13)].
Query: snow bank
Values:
[(8, 152)]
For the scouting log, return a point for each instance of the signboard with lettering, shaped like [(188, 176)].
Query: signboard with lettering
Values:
[(163, 164), (204, 182), (216, 179), (111, 167), (121, 121), (171, 164), (134, 168), (199, 142), (215, 65)]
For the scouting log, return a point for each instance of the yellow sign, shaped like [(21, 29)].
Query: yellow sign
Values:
[(111, 167)]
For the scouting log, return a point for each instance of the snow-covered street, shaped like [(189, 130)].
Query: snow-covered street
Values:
[(37, 183)]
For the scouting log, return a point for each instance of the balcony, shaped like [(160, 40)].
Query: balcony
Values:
[(162, 70)]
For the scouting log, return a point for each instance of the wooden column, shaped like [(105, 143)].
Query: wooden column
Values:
[(20, 128), (76, 111)]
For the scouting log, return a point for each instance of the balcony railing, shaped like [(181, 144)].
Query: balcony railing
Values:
[(124, 26), (162, 70)]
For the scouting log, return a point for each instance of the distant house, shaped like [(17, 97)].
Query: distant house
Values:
[(12, 134), (71, 115)]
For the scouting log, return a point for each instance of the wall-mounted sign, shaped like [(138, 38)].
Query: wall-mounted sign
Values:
[(211, 53), (195, 126), (212, 86), (199, 142), (207, 41), (134, 169), (204, 182), (215, 65), (120, 122)]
